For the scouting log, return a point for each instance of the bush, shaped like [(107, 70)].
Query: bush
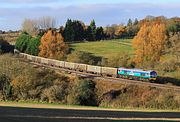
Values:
[(5, 47), (82, 93), (11, 66), (5, 87), (57, 92)]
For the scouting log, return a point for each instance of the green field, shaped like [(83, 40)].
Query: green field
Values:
[(105, 48)]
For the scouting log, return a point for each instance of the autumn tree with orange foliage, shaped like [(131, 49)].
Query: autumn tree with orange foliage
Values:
[(52, 45), (149, 43)]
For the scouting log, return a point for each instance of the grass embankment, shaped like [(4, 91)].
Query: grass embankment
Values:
[(106, 48), (27, 83)]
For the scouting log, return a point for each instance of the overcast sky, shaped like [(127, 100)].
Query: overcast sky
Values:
[(105, 12)]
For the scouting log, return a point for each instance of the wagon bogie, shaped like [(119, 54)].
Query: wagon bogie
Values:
[(33, 58), (81, 67), (59, 64), (29, 57), (23, 55), (44, 61), (69, 65), (38, 59), (51, 62)]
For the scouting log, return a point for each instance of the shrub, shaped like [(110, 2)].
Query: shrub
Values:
[(5, 47), (82, 93), (57, 92), (5, 87), (11, 66)]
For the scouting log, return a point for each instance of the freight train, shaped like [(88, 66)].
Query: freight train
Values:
[(134, 74)]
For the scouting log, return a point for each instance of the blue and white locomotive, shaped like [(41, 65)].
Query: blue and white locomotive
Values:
[(137, 74)]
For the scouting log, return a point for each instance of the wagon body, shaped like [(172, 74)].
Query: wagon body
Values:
[(94, 69), (80, 67), (44, 60), (69, 65), (59, 63), (109, 71), (51, 62)]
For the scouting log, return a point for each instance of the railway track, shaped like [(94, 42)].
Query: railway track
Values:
[(118, 80)]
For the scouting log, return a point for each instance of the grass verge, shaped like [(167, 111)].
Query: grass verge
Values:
[(35, 104)]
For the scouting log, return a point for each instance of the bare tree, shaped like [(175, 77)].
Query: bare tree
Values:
[(46, 22), (32, 26)]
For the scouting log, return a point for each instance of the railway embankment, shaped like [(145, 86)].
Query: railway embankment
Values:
[(30, 82)]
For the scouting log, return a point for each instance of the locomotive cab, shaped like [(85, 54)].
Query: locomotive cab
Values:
[(153, 75)]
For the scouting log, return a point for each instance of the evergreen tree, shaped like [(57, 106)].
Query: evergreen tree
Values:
[(129, 22), (135, 22), (68, 31), (73, 31), (88, 34), (33, 46), (99, 33), (93, 30), (22, 42), (78, 31)]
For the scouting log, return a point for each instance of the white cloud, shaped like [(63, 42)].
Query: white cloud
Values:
[(104, 14)]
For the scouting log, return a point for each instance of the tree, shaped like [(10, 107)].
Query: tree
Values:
[(135, 22), (46, 22), (93, 29), (52, 45), (73, 31), (22, 42), (99, 33), (68, 31), (33, 46), (129, 22), (88, 34), (30, 26), (149, 43), (34, 26)]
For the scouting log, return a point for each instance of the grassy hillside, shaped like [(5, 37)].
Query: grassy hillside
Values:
[(105, 48)]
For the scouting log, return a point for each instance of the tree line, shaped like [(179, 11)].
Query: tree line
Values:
[(77, 31)]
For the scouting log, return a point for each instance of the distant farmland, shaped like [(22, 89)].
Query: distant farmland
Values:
[(10, 37), (105, 48)]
